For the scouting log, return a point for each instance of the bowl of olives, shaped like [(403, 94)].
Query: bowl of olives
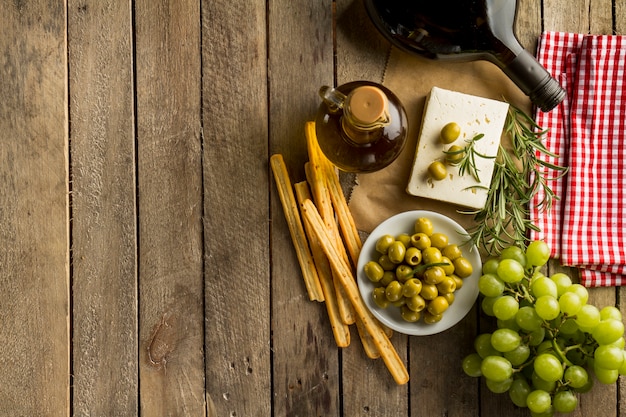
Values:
[(418, 274)]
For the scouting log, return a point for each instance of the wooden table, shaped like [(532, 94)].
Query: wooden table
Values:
[(146, 266)]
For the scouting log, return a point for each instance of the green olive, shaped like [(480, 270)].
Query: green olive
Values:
[(412, 287), (396, 252), (450, 132), (413, 256), (410, 315), (405, 239), (429, 291), (388, 277), (404, 272), (458, 281), (462, 267), (446, 286), (418, 273), (434, 275), (374, 271), (455, 154), (452, 251), (449, 267), (449, 297), (400, 303), (424, 225), (431, 255), (439, 240), (416, 303), (386, 263), (438, 306), (420, 240), (393, 291), (380, 298), (431, 318), (437, 170), (383, 243)]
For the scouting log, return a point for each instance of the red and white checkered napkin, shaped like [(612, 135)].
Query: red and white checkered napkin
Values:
[(588, 131)]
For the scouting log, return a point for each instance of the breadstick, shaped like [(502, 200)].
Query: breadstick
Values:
[(338, 200), (346, 221), (296, 229), (366, 339), (322, 201), (341, 330), (315, 175), (346, 311), (381, 341)]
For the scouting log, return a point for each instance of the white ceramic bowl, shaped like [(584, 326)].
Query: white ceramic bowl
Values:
[(465, 297)]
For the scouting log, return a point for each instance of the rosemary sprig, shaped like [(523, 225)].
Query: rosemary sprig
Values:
[(527, 142), (519, 174), (468, 154), (418, 270)]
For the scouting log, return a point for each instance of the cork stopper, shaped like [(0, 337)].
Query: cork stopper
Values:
[(367, 105)]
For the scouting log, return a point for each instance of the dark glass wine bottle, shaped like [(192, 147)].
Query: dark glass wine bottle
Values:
[(361, 126), (466, 30)]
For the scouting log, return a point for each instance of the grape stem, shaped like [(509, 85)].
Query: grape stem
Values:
[(561, 353), (520, 291)]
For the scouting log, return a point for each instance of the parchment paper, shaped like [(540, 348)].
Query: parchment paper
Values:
[(379, 195)]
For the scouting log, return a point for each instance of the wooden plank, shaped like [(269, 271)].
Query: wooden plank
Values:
[(103, 208), (361, 55), (440, 387), (236, 175), (620, 17), (601, 16), (528, 23), (170, 245), (300, 32), (575, 20), (305, 368), (34, 215)]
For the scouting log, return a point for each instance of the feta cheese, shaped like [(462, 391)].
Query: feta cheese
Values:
[(475, 115)]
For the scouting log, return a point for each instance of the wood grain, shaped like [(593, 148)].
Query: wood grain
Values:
[(528, 23), (34, 214), (305, 368), (104, 272), (576, 19), (170, 201), (601, 16), (236, 189), (138, 135), (620, 17), (361, 55)]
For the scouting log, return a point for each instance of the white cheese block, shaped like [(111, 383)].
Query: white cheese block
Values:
[(475, 115)]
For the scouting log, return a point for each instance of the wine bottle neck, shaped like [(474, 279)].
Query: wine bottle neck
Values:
[(535, 81)]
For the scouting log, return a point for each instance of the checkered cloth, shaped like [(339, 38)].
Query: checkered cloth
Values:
[(587, 226)]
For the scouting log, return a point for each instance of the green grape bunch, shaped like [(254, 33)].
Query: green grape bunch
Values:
[(548, 339)]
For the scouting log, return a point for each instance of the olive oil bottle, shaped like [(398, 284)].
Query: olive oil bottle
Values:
[(466, 30), (360, 126)]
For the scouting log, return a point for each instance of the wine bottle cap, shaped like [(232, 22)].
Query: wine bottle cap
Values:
[(367, 105)]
